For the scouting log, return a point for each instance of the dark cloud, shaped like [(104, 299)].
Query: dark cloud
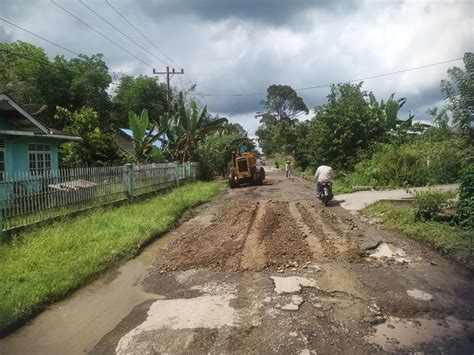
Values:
[(277, 13), (418, 103), (243, 46)]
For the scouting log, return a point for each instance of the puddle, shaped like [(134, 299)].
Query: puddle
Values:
[(389, 251), (291, 284), (97, 308), (420, 295), (398, 333), (200, 312)]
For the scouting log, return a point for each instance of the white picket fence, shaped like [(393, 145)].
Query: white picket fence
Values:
[(26, 199)]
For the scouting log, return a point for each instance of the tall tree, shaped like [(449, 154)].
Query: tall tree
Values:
[(22, 67), (284, 103), (458, 92), (31, 77), (135, 94), (345, 126)]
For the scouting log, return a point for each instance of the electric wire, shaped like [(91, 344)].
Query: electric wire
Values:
[(38, 36), (46, 40), (100, 33), (147, 39), (121, 32), (344, 81), (141, 34)]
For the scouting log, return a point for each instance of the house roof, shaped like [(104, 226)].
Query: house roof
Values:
[(25, 124)]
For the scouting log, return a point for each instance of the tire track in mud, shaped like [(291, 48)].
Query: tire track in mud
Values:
[(338, 234), (311, 238), (316, 225), (253, 253)]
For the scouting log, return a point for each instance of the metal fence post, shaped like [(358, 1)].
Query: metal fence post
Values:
[(129, 181), (1, 222), (176, 173), (188, 171)]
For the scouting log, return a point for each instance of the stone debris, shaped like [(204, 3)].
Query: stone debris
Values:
[(294, 305)]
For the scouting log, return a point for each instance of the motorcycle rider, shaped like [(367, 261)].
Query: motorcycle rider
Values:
[(323, 173)]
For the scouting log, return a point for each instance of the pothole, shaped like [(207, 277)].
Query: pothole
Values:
[(398, 333), (291, 284), (207, 312), (389, 251)]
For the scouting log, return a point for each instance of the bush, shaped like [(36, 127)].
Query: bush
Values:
[(465, 209), (429, 203), (435, 160)]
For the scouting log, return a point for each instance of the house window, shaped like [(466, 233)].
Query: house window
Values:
[(39, 156), (2, 159)]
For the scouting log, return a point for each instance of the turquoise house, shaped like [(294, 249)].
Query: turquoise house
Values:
[(28, 147)]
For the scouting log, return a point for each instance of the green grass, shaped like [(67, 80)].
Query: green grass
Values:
[(47, 263), (450, 240)]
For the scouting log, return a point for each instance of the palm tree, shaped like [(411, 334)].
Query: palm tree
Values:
[(185, 128), (144, 135)]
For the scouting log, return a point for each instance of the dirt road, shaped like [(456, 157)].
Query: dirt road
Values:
[(266, 270)]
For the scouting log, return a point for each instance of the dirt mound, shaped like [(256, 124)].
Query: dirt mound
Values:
[(285, 243), (242, 237)]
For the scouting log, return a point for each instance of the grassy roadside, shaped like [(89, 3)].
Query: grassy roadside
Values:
[(450, 240), (47, 263)]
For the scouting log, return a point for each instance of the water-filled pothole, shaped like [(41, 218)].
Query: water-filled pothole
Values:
[(398, 333)]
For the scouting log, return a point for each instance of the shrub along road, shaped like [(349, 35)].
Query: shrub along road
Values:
[(267, 270)]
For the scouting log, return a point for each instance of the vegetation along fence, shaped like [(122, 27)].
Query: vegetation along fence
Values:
[(26, 198)]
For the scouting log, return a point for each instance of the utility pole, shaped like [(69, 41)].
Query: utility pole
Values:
[(169, 75)]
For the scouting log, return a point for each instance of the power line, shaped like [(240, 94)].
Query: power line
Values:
[(38, 36), (346, 81), (100, 33), (141, 34), (150, 42), (121, 32)]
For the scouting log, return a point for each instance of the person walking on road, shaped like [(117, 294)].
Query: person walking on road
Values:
[(288, 169), (323, 173)]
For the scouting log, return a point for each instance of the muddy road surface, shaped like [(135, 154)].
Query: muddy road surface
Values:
[(266, 270)]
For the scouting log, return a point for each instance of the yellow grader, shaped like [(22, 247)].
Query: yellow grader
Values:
[(244, 168)]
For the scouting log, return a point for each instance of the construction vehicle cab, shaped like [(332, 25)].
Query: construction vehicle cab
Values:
[(244, 167)]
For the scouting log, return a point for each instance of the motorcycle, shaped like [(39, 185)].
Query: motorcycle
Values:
[(325, 192)]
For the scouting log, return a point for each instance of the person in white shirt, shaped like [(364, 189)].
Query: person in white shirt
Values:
[(323, 173)]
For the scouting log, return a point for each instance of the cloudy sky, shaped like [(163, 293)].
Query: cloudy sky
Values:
[(243, 46)]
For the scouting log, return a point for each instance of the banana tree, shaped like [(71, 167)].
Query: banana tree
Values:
[(144, 135), (185, 128)]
